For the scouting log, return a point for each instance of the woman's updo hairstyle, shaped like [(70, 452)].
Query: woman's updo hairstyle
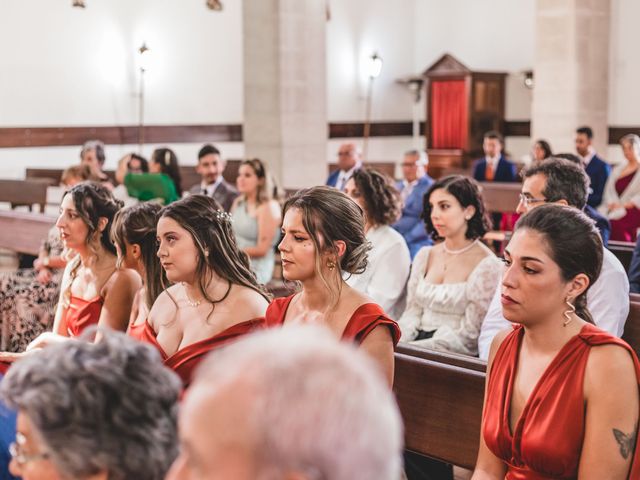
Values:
[(329, 215), (573, 243), (381, 198), (467, 192), (212, 232), (93, 201)]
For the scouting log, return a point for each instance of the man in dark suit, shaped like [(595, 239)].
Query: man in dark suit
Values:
[(412, 189), (597, 169), (210, 167), (493, 167), (348, 162)]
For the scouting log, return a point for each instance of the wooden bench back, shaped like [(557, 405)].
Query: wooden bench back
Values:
[(455, 359), (24, 232), (386, 168), (631, 333), (25, 192), (441, 405), (623, 252), (500, 197)]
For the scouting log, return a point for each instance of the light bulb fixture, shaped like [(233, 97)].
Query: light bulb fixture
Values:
[(375, 66), (144, 56), (214, 5), (78, 3), (529, 82)]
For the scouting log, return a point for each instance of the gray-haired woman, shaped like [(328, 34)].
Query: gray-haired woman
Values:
[(93, 411)]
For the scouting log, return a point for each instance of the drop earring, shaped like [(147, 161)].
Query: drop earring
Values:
[(331, 264), (569, 312)]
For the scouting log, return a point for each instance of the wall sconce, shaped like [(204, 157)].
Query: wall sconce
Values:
[(375, 66), (143, 51), (214, 5), (528, 79), (78, 3)]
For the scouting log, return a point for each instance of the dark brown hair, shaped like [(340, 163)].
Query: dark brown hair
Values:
[(573, 242), (168, 162), (381, 198), (137, 225)]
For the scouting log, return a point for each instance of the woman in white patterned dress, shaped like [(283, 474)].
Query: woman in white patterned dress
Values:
[(452, 282)]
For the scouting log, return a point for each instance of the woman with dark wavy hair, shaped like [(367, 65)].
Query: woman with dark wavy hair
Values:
[(452, 282), (324, 240), (93, 289), (214, 298), (386, 275)]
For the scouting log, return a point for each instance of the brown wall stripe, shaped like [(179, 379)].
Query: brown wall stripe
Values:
[(65, 136)]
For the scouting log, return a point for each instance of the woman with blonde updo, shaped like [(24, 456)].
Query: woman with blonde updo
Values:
[(323, 239)]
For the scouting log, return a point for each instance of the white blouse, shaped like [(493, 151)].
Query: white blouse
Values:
[(453, 310), (386, 275)]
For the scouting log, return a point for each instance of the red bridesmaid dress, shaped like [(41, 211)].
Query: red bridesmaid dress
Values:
[(547, 439)]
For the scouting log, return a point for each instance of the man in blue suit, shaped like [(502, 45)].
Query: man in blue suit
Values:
[(412, 189), (348, 162), (597, 169), (493, 167)]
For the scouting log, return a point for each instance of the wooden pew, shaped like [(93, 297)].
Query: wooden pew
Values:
[(25, 192), (441, 405), (24, 232), (631, 333), (501, 197), (455, 359), (386, 168), (623, 251)]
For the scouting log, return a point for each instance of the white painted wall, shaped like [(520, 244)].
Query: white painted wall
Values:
[(70, 66)]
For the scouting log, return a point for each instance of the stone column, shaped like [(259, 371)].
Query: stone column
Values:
[(285, 112), (571, 71)]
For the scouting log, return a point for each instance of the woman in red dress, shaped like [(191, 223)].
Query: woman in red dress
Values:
[(134, 235), (562, 395), (93, 289), (214, 298), (323, 239), (621, 197)]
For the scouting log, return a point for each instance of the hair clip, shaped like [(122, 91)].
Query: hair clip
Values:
[(223, 216), (167, 157)]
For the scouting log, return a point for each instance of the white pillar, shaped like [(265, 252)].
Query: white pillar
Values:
[(285, 112)]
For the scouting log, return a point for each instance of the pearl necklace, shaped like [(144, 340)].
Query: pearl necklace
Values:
[(190, 302), (458, 252)]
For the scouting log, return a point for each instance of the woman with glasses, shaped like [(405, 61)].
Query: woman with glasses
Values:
[(93, 411), (256, 217), (451, 283)]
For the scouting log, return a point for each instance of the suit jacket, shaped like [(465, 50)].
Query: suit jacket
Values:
[(598, 171), (410, 225), (333, 179), (224, 194), (505, 172), (602, 224)]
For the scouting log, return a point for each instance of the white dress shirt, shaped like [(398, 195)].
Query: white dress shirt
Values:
[(344, 176), (387, 272), (607, 300), (212, 187)]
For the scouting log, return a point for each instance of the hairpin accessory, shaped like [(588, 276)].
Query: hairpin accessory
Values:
[(569, 312), (167, 157), (223, 216)]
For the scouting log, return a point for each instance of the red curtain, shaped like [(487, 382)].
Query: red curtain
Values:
[(448, 114)]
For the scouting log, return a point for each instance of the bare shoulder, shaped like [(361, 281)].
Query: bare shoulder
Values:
[(495, 344), (609, 366), (123, 280), (164, 307), (247, 303), (269, 208)]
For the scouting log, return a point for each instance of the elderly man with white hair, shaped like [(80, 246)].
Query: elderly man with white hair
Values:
[(289, 404), (412, 188)]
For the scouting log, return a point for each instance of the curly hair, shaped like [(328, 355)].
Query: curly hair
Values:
[(92, 402), (381, 198), (467, 192)]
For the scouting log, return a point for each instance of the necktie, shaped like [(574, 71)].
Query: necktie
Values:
[(488, 173)]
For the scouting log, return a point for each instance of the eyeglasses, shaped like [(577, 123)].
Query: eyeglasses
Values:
[(344, 154), (21, 458), (526, 201)]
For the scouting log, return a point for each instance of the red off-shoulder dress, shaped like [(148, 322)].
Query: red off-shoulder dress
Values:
[(363, 321), (185, 360), (547, 440)]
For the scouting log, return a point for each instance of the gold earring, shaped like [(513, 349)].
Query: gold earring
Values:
[(567, 313), (331, 264)]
